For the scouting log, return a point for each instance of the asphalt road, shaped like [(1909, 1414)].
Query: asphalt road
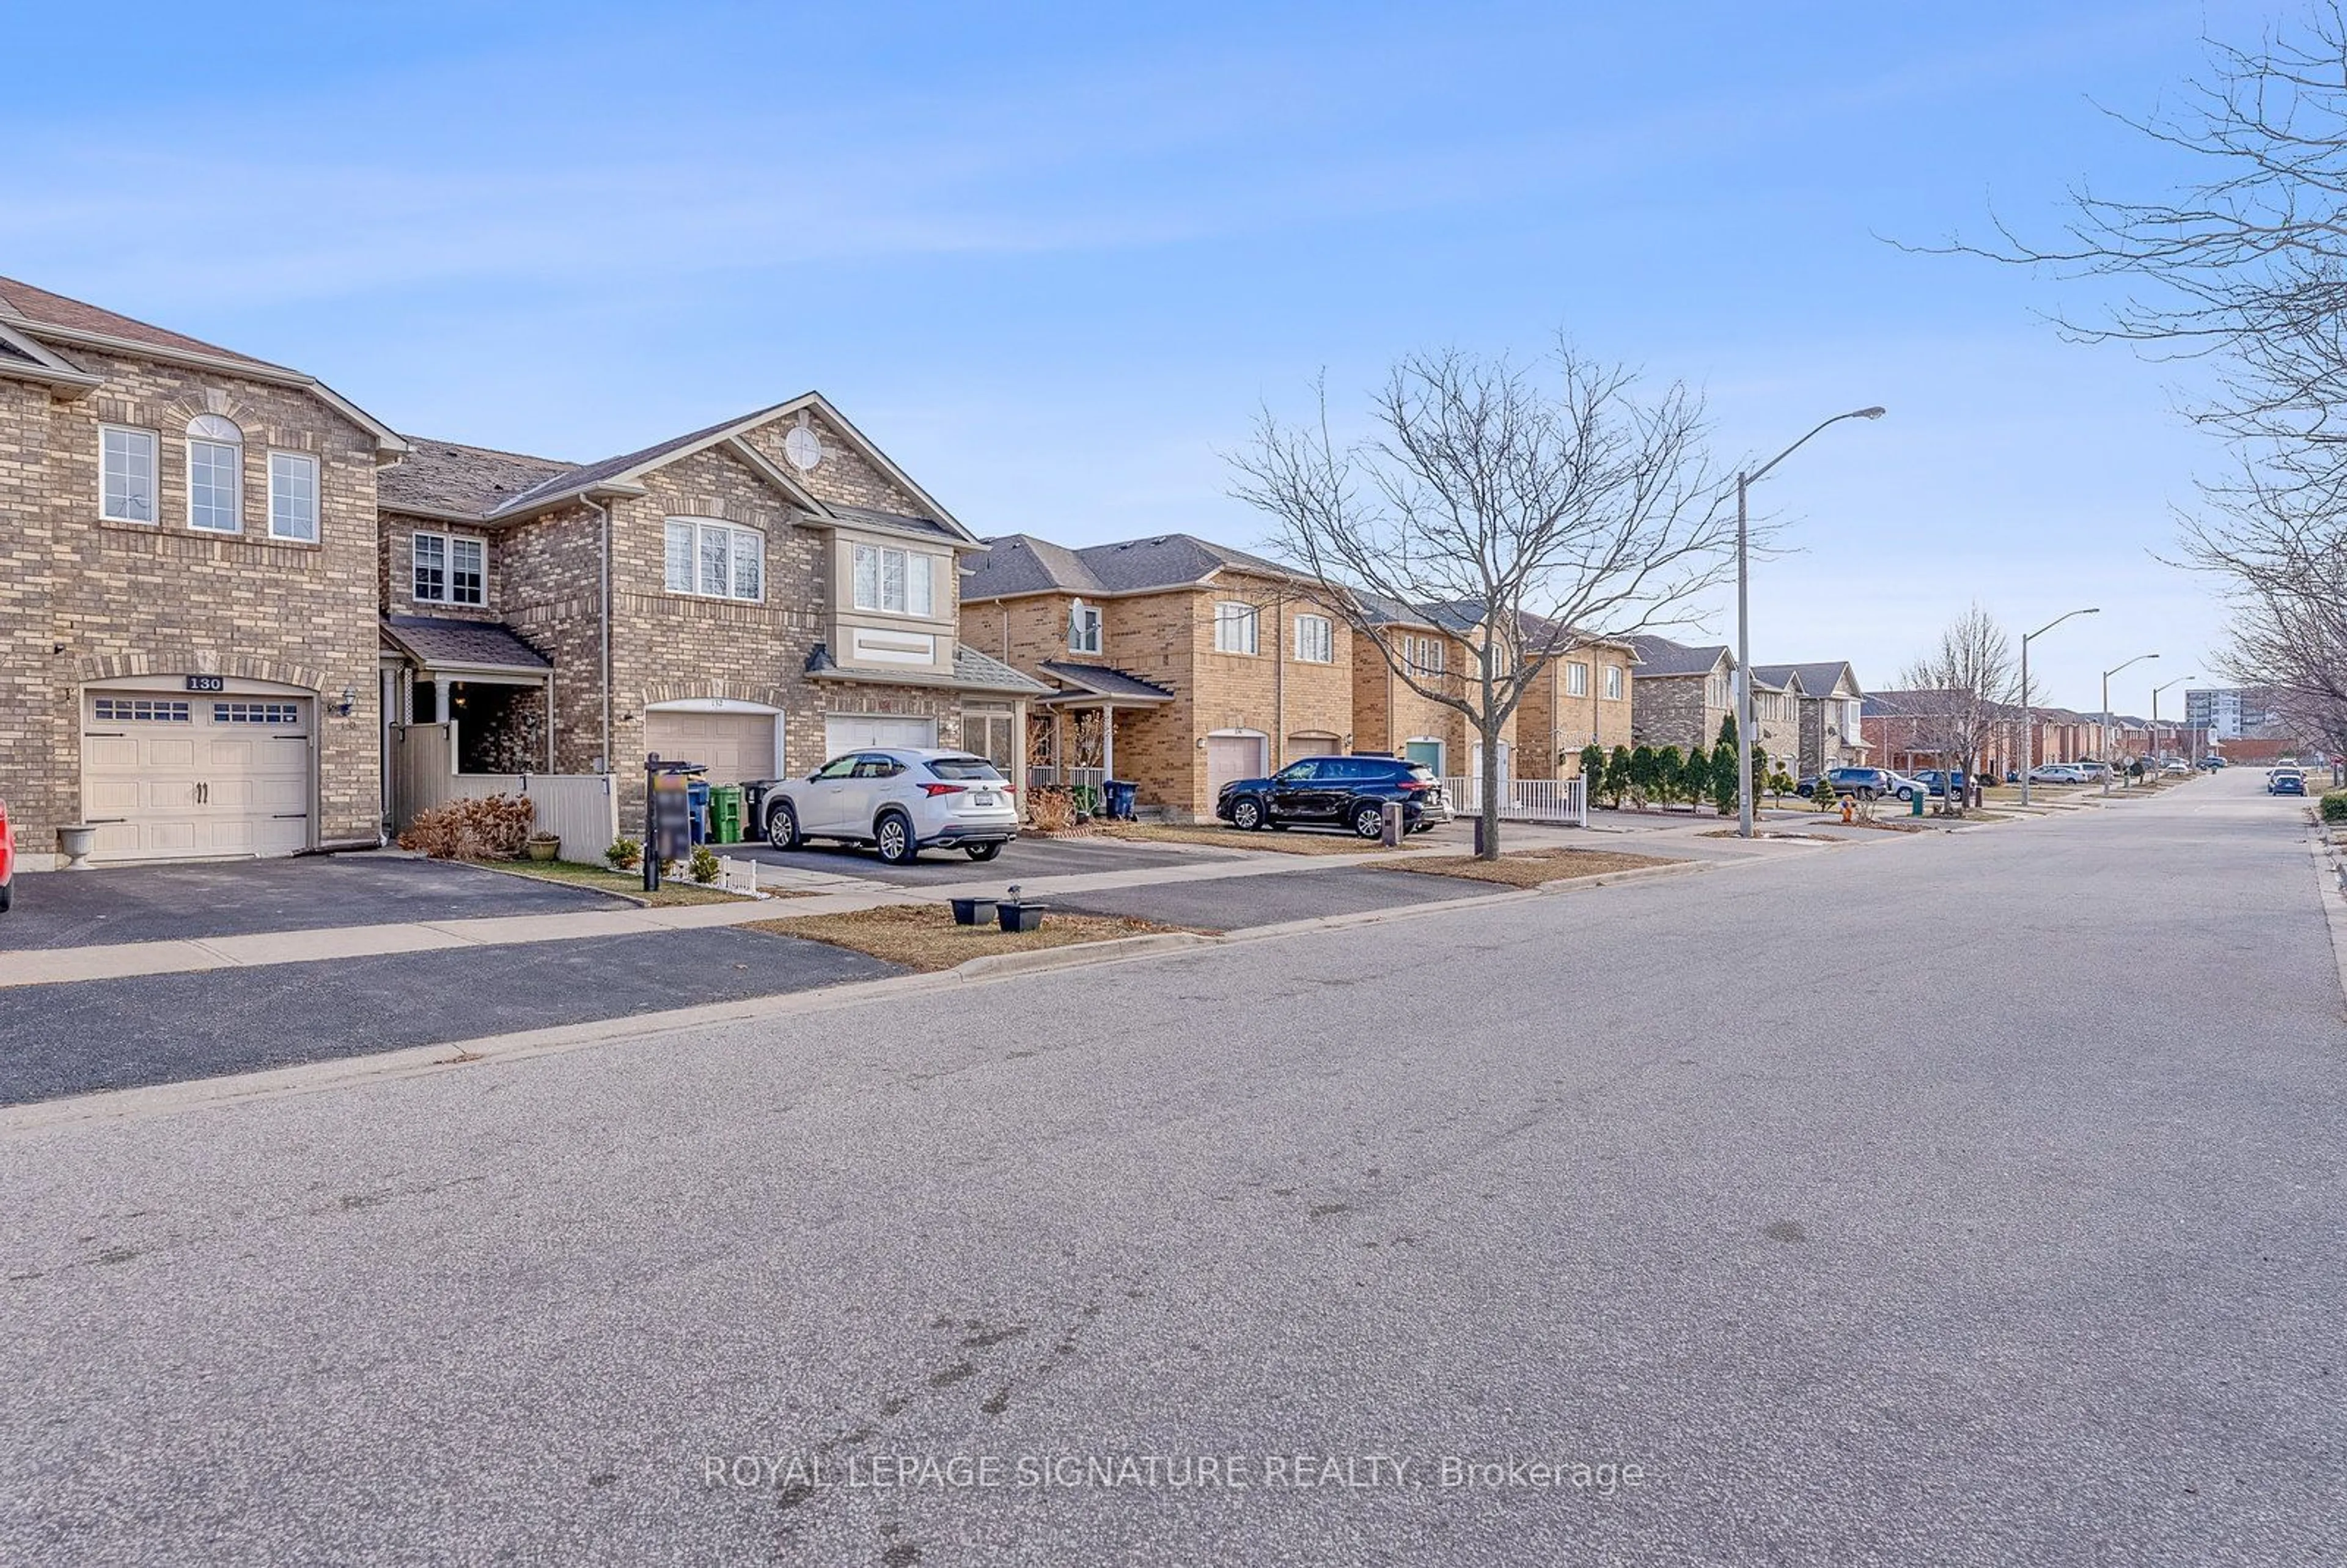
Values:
[(1022, 858), (1961, 1199)]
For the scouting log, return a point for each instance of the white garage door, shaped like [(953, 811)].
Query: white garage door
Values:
[(1231, 757), (1311, 746), (731, 746), (854, 731), (168, 775)]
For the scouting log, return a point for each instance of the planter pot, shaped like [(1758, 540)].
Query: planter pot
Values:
[(74, 843), (544, 848), (973, 911), (1020, 917)]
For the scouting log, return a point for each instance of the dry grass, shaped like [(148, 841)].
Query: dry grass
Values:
[(627, 885), (1294, 842), (1527, 867), (923, 937)]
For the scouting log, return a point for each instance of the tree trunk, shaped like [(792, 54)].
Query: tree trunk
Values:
[(1489, 786)]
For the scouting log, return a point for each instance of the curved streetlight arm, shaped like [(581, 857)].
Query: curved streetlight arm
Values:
[(2136, 659), (2057, 621), (2028, 710), (1753, 476)]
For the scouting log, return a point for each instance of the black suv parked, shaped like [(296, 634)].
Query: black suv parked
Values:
[(1337, 792)]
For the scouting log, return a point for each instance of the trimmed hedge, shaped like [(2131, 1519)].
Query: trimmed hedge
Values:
[(2334, 805)]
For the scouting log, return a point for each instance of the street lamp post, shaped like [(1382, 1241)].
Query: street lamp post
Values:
[(2028, 716), (2156, 690), (1745, 480), (2106, 714)]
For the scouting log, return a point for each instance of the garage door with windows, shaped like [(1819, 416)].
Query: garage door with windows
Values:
[(856, 731), (734, 744), (179, 775)]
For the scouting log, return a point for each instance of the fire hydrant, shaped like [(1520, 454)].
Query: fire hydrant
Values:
[(1849, 811)]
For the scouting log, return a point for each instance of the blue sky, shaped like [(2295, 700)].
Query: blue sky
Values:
[(1054, 257)]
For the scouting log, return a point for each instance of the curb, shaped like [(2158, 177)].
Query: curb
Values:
[(2331, 889), (1077, 955)]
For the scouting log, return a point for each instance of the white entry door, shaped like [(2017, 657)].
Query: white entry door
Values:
[(172, 775), (859, 732), (1231, 757)]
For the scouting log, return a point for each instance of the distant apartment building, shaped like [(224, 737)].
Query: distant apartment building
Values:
[(2232, 713)]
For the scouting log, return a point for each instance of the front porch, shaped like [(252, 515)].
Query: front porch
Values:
[(1071, 733)]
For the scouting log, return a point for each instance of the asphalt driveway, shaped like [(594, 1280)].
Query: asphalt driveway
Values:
[(229, 898), (1022, 859), (64, 1039), (1235, 903)]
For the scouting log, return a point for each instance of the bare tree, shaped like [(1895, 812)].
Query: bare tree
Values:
[(1960, 693), (1521, 513)]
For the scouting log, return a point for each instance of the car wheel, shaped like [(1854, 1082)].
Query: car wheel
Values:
[(1246, 815), (783, 828), (892, 836), (1906, 795), (1370, 821), (984, 851)]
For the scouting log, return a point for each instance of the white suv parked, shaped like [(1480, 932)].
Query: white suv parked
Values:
[(899, 801)]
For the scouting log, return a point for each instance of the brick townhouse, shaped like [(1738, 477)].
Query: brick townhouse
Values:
[(1831, 722), (1171, 661), (188, 594), (1684, 693), (756, 597)]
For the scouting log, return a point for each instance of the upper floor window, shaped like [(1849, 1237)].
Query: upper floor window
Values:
[(1715, 690), (1083, 628), (1577, 679), (900, 582), (1613, 683), (715, 559), (126, 461), (1234, 627), (215, 474), (1316, 639), (293, 497), (450, 569), (1425, 655)]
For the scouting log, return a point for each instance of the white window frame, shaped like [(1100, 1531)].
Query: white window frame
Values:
[(912, 566), (1576, 678), (705, 538), (1084, 629), (449, 545), (214, 432), (293, 461), (1613, 683), (1323, 638), (1427, 656), (154, 474), (1236, 623)]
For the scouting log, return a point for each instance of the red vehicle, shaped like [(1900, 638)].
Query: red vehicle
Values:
[(7, 859)]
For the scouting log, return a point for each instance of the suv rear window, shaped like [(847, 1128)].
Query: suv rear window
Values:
[(963, 768)]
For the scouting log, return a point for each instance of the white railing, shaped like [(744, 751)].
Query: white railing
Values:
[(581, 809), (1523, 800)]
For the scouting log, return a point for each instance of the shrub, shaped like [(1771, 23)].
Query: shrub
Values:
[(1824, 797), (492, 827), (625, 855), (1642, 768), (1617, 776), (704, 864), (1050, 809), (1723, 773), (1593, 767), (1670, 767), (2334, 805)]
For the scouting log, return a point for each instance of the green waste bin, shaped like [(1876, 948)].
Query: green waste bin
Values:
[(1915, 803), (725, 815)]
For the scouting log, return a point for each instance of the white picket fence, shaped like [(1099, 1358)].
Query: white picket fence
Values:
[(1564, 801), (581, 809)]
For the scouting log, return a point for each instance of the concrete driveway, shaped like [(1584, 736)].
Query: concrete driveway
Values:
[(229, 898)]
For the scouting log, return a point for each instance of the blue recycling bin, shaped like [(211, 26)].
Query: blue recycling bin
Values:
[(1121, 792), (697, 803)]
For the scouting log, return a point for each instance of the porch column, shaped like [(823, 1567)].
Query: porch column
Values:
[(1108, 743)]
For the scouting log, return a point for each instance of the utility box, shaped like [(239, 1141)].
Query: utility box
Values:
[(1392, 836)]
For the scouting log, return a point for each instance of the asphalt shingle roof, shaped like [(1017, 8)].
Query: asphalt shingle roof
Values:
[(435, 639), (42, 308), (898, 521), (1817, 678), (1660, 656), (1105, 681), (1021, 563), (449, 477), (981, 672)]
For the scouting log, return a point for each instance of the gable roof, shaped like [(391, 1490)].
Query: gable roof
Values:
[(503, 486), (438, 642), (1818, 680), (33, 322), (1659, 656), (1019, 564), (1103, 680)]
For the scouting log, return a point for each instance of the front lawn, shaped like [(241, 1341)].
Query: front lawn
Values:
[(1527, 867), (627, 885), (923, 935)]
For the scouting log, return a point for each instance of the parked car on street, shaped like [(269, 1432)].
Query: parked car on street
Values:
[(1936, 779), (897, 800), (2213, 763), (7, 861), (1867, 783), (2059, 774), (2176, 767), (1349, 792), (2285, 781)]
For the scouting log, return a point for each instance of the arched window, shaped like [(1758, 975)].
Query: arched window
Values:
[(215, 474)]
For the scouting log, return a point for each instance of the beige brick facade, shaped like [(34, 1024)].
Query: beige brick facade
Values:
[(85, 600)]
